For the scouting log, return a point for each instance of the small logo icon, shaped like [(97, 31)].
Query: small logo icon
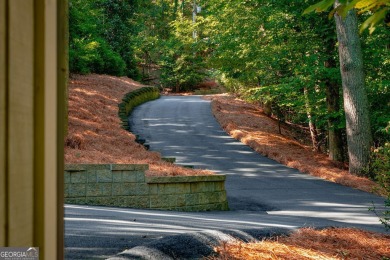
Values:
[(32, 252)]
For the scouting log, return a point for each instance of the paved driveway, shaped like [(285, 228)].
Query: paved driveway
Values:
[(183, 127), (262, 194)]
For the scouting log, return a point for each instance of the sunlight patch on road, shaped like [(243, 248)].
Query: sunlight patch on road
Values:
[(137, 226), (337, 205), (341, 217), (194, 220)]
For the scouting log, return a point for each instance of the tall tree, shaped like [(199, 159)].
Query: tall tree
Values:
[(335, 140), (358, 127), (332, 91), (354, 93)]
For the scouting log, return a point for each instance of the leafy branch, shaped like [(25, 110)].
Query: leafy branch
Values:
[(377, 8)]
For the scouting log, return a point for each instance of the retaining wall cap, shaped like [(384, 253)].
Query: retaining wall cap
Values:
[(75, 167), (184, 179), (118, 167), (124, 167)]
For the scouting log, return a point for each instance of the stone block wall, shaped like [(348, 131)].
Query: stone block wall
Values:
[(134, 99), (123, 185)]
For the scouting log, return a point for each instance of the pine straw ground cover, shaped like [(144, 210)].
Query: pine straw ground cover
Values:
[(247, 123), (307, 243), (94, 131)]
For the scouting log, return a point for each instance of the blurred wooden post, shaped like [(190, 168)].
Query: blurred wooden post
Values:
[(3, 147), (62, 112), (32, 125), (63, 56)]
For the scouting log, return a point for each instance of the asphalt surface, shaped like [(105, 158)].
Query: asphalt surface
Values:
[(264, 196)]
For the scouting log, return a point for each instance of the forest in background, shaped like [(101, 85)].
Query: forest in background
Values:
[(264, 51)]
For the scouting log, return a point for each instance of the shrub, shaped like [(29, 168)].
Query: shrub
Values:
[(100, 38), (379, 166), (181, 73), (379, 170), (95, 56)]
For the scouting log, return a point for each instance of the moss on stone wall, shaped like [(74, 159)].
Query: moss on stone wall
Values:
[(134, 99)]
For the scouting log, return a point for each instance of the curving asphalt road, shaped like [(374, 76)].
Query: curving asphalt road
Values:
[(184, 127), (264, 196)]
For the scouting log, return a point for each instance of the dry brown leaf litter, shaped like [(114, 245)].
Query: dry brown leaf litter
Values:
[(308, 243)]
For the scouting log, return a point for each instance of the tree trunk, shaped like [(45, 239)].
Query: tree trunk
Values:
[(332, 90), (354, 94), (267, 108), (312, 126), (335, 141)]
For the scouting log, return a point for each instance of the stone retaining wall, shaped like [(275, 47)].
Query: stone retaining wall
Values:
[(123, 185), (134, 99)]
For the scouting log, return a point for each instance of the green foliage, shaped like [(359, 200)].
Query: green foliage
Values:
[(269, 53), (181, 67), (165, 38), (377, 69), (320, 6), (100, 38), (265, 51), (379, 170), (379, 167), (378, 9), (385, 218), (95, 56), (117, 30), (181, 73)]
